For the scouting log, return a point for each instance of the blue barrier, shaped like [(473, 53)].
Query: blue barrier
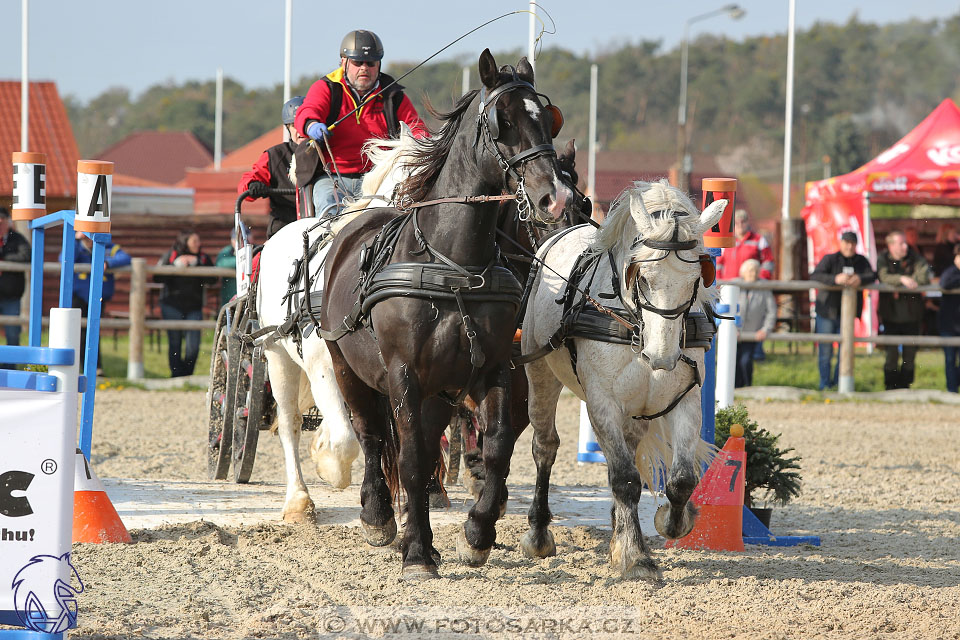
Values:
[(34, 353)]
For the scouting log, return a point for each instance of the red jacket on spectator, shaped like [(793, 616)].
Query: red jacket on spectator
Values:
[(751, 246), (348, 137)]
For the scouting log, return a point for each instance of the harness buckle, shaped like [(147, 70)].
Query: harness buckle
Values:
[(636, 341)]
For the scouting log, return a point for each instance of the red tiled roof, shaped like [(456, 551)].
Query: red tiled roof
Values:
[(216, 191), (160, 156), (49, 133), (245, 156), (616, 170), (123, 180)]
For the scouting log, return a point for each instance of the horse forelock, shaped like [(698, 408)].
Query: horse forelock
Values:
[(649, 209)]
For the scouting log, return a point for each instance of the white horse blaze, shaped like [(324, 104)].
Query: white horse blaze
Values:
[(532, 108)]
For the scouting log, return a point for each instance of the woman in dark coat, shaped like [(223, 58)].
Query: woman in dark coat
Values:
[(182, 299)]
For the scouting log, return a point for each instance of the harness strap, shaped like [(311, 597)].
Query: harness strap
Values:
[(456, 200), (696, 382)]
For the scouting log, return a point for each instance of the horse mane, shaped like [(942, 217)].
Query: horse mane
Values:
[(637, 204), (427, 156)]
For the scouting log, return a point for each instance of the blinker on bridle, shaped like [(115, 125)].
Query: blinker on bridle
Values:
[(489, 123)]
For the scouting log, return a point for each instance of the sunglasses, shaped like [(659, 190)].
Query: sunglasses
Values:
[(365, 63)]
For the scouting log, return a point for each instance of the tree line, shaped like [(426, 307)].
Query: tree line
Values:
[(858, 87)]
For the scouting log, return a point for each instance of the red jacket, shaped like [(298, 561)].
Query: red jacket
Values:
[(350, 135), (752, 246)]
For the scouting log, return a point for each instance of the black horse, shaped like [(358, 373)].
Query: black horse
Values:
[(417, 312), (519, 240)]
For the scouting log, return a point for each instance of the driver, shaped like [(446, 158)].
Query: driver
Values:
[(337, 94), (272, 171)]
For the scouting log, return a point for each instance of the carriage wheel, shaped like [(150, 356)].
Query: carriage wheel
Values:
[(251, 394), (220, 435)]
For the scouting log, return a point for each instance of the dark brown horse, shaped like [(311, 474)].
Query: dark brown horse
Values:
[(519, 241), (417, 313)]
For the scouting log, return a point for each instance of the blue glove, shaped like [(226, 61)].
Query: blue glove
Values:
[(318, 131)]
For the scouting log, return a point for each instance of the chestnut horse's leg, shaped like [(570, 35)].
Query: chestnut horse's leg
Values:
[(544, 393), (479, 531), (372, 428)]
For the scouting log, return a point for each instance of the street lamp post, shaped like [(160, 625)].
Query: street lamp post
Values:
[(683, 158)]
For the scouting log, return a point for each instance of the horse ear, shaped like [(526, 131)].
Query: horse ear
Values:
[(525, 70), (569, 150), (712, 214), (405, 130), (488, 69)]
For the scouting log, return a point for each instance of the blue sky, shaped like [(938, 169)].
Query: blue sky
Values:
[(87, 47)]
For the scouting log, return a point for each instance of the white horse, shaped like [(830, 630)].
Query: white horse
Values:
[(303, 378), (620, 381)]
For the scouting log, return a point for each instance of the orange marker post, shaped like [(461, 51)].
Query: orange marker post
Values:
[(29, 185), (720, 236), (720, 499)]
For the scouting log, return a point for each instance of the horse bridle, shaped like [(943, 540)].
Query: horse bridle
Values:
[(488, 127), (673, 245)]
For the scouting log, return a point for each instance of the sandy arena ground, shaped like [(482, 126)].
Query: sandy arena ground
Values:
[(881, 488)]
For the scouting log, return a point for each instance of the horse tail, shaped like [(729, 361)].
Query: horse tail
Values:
[(390, 453)]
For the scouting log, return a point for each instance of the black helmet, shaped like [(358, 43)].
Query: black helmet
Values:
[(289, 112), (361, 45)]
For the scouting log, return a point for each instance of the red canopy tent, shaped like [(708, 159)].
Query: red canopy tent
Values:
[(922, 168)]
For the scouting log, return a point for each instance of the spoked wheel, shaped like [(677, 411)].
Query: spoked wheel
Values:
[(250, 407), (220, 434)]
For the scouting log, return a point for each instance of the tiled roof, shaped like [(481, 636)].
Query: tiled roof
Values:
[(245, 156), (616, 170), (50, 133), (159, 156), (123, 180)]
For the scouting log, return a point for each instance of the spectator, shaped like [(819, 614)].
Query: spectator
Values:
[(901, 313), (947, 240), (850, 269), (750, 246), (228, 258), (13, 248), (182, 299), (83, 254), (950, 320), (758, 312)]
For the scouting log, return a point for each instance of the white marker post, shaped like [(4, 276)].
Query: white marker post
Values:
[(727, 344), (94, 189)]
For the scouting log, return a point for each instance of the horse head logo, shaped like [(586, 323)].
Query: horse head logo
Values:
[(32, 585)]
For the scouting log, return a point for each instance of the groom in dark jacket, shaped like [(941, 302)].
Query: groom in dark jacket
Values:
[(847, 268)]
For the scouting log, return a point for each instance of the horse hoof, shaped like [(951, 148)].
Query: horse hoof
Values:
[(632, 562), (332, 469), (379, 536), (645, 569), (662, 521), (468, 555), (473, 484), (439, 501), (300, 517), (538, 546), (417, 572), (300, 509)]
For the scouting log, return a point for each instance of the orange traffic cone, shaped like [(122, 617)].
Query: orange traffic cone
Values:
[(94, 517), (720, 498)]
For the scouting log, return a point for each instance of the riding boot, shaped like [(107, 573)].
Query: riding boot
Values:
[(891, 379)]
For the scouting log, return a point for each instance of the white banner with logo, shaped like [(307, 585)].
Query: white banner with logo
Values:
[(37, 459)]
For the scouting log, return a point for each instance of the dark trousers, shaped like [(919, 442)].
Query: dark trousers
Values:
[(898, 374), (81, 304), (828, 377), (743, 375), (184, 346), (10, 307), (951, 356)]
